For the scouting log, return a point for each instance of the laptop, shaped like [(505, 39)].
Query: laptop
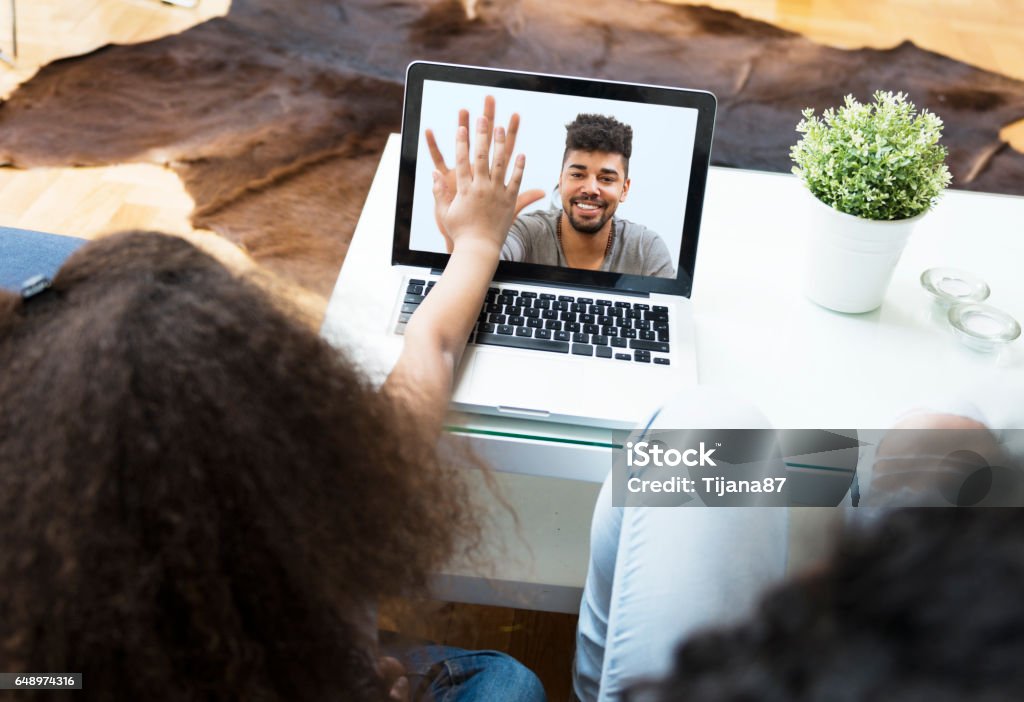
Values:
[(601, 344)]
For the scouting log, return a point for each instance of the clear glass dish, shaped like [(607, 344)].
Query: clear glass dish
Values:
[(951, 286), (982, 327)]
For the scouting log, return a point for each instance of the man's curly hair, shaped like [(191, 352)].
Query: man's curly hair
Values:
[(589, 132)]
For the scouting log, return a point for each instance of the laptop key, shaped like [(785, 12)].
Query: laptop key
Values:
[(547, 296), (562, 336), (582, 350), (649, 336), (497, 319), (572, 326), (403, 318), (585, 300), (542, 304), (609, 331), (566, 298), (622, 305), (642, 357), (516, 321), (623, 357), (412, 299), (591, 329), (519, 342), (580, 338), (524, 331), (663, 336), (531, 313), (506, 329), (641, 345), (587, 318), (553, 325), (542, 334), (414, 289), (527, 294), (417, 281), (604, 351), (549, 314), (487, 327), (661, 361), (628, 333), (619, 342), (598, 340), (409, 309), (534, 323), (641, 306)]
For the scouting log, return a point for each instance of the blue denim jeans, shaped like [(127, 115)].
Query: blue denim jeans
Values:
[(658, 574), (447, 674)]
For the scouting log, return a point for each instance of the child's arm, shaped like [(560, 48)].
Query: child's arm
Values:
[(477, 220)]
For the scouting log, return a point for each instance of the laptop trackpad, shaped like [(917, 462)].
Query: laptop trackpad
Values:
[(520, 385)]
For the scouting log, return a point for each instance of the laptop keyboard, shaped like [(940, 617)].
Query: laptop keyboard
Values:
[(569, 324)]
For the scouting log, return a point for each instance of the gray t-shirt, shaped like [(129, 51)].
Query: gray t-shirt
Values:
[(635, 248)]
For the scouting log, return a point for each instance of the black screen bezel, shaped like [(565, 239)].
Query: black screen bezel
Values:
[(704, 102)]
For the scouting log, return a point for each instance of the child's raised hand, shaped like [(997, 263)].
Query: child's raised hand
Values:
[(483, 206)]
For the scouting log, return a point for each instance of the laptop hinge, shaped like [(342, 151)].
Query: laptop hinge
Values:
[(553, 284)]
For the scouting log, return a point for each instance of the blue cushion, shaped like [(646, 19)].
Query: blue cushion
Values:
[(24, 254)]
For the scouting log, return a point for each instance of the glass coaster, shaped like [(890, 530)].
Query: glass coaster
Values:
[(982, 327), (950, 286)]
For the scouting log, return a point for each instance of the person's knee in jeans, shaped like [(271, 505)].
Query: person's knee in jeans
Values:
[(449, 674)]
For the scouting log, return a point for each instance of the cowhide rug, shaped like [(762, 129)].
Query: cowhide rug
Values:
[(275, 116)]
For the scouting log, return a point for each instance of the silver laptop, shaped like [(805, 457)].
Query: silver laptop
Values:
[(588, 320)]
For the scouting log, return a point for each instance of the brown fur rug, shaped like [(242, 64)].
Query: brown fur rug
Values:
[(275, 116)]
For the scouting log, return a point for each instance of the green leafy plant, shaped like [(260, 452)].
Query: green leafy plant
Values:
[(880, 160)]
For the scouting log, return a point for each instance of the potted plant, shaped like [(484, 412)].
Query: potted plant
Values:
[(874, 170)]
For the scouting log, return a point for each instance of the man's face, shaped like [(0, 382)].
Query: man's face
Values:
[(592, 184)]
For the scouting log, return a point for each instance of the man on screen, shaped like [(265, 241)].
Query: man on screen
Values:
[(583, 233)]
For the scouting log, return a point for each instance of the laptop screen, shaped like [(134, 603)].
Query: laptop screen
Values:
[(626, 163)]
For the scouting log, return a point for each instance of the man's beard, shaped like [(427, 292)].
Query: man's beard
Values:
[(588, 227)]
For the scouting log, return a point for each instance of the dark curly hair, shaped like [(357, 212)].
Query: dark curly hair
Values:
[(599, 133), (200, 499), (926, 607)]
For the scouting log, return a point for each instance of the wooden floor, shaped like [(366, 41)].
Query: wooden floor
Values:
[(88, 202)]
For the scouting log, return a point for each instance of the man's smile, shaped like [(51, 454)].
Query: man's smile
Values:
[(588, 207)]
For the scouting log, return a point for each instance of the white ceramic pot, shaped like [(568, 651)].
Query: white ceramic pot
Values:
[(850, 260)]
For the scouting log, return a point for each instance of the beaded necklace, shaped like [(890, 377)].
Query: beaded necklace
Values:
[(607, 248)]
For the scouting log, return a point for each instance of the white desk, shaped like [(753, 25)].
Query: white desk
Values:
[(804, 366)]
